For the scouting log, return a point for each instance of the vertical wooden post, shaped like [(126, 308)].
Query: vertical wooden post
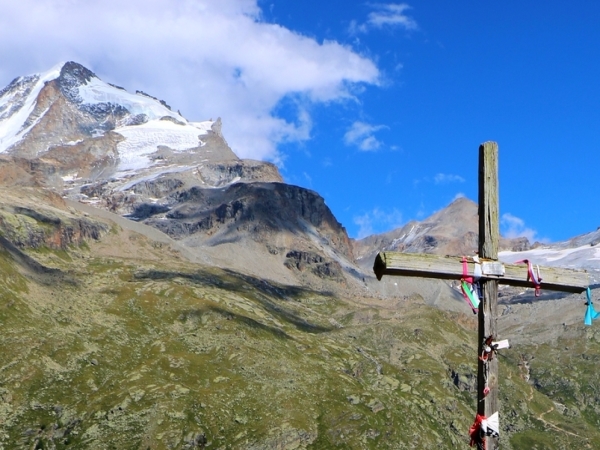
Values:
[(429, 266), (489, 236)]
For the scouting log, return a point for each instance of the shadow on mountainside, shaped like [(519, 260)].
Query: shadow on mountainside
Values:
[(249, 322), (224, 215), (33, 269), (263, 293)]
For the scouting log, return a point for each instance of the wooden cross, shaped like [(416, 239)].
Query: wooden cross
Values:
[(450, 268)]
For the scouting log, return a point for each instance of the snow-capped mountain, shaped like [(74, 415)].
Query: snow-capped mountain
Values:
[(90, 127), (132, 155)]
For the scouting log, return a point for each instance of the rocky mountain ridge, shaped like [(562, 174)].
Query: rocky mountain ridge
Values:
[(132, 155), (127, 153), (453, 230)]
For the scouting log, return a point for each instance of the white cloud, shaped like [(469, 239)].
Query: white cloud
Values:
[(205, 58), (361, 135), (376, 220), (513, 227), (391, 14), (385, 15), (445, 178)]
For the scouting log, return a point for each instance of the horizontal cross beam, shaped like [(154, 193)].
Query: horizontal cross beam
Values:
[(450, 268)]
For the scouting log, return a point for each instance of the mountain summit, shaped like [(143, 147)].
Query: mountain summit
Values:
[(132, 155), (90, 128)]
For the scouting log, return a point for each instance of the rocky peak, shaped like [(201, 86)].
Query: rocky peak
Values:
[(86, 128), (74, 74), (454, 230), (107, 113)]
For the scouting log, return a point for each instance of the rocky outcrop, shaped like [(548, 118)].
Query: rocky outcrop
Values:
[(34, 228), (315, 264), (246, 171), (256, 210), (519, 244)]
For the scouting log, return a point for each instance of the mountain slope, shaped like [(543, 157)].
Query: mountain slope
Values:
[(453, 230), (121, 342), (130, 154)]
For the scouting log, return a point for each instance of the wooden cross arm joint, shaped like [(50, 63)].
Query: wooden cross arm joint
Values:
[(450, 268)]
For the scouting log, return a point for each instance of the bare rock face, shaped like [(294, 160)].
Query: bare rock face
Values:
[(519, 244), (257, 211), (243, 211), (31, 221), (315, 263), (226, 172)]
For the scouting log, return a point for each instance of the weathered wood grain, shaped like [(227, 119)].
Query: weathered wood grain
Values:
[(450, 268), (489, 238)]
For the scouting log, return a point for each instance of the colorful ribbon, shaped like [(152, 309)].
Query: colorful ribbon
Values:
[(531, 276), (467, 287), (475, 432), (590, 313)]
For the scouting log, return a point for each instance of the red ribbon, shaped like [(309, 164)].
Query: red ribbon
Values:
[(474, 431)]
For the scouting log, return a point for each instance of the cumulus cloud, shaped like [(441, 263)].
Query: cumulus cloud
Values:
[(445, 178), (386, 15), (376, 220), (361, 135), (513, 227), (203, 57)]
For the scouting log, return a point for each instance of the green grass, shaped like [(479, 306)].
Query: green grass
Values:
[(149, 355)]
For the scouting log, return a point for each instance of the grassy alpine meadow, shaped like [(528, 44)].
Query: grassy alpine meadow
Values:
[(139, 349)]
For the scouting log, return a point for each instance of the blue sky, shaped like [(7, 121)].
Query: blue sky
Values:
[(380, 107), (525, 76)]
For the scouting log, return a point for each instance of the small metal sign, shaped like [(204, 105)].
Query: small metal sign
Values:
[(495, 268)]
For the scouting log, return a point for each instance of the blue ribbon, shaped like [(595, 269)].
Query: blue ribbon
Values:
[(590, 313)]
